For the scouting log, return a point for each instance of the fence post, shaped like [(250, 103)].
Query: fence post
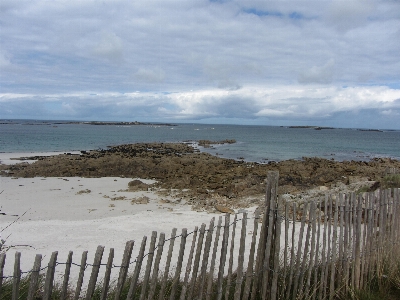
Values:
[(138, 266), (230, 263), (250, 265), (66, 276), (81, 274), (206, 254), (124, 268), (239, 276), (271, 212), (95, 272), (153, 283), (150, 257), (17, 276), (197, 260), (212, 265), (107, 275), (189, 265), (34, 277), (175, 281), (224, 250), (2, 262), (48, 285), (167, 264)]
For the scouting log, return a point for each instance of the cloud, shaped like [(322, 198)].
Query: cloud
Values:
[(151, 76), (4, 61), (109, 47), (346, 15), (242, 60), (318, 74), (289, 104)]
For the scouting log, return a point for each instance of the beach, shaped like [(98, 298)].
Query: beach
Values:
[(46, 212)]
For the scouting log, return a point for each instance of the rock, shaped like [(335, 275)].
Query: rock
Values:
[(224, 209), (140, 200), (137, 185)]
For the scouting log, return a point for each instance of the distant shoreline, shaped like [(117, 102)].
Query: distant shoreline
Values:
[(44, 122)]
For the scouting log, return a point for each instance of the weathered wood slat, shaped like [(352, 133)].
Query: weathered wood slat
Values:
[(167, 264), (316, 284), (196, 263), (271, 203), (123, 270), (212, 265), (48, 284), (306, 254), (80, 276), (95, 272), (297, 268), (176, 278), (285, 250), (150, 256), (17, 276), (334, 253), (292, 253), (239, 271), (224, 251), (136, 273), (313, 221), (34, 277), (189, 265), (358, 241), (2, 263), (107, 275), (275, 274), (154, 279), (250, 265), (206, 254), (323, 277), (347, 254), (230, 263), (64, 290), (261, 249), (340, 254)]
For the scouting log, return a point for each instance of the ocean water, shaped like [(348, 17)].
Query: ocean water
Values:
[(253, 143)]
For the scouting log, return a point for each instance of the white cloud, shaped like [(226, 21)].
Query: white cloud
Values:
[(280, 102), (319, 74), (252, 59), (151, 76), (346, 15), (109, 47)]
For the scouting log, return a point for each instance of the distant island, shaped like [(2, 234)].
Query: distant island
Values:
[(124, 123), (44, 122), (312, 127)]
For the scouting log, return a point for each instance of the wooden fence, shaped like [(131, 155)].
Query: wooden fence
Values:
[(314, 250)]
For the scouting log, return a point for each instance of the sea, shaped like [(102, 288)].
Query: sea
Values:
[(260, 144)]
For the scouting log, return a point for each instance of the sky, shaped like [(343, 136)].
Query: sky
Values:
[(323, 63)]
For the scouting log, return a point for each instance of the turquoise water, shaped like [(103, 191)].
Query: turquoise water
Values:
[(254, 143)]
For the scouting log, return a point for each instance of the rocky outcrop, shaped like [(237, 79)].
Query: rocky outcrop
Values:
[(200, 177)]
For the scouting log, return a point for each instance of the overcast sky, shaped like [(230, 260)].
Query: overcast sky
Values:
[(327, 63)]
